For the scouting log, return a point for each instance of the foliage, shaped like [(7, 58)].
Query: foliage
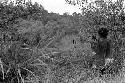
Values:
[(101, 13), (29, 33), (77, 2)]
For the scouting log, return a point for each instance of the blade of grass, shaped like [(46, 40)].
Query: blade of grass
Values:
[(32, 74), (8, 71), (2, 69), (14, 78), (20, 76)]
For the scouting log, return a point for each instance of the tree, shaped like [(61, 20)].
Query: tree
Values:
[(77, 2), (110, 15)]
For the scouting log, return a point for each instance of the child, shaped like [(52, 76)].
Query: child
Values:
[(102, 48)]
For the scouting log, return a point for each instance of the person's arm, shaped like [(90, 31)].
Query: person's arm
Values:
[(110, 50)]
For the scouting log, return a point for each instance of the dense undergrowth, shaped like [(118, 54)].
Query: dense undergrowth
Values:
[(41, 47)]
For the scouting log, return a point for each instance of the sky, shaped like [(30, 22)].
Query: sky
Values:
[(58, 6)]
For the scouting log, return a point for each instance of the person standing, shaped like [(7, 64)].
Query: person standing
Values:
[(102, 48)]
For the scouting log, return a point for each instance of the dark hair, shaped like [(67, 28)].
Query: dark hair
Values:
[(103, 32)]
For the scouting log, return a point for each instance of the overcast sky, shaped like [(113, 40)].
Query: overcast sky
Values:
[(58, 6)]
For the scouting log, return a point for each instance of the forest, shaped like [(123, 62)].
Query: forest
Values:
[(41, 47)]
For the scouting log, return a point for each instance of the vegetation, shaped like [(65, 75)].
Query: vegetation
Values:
[(31, 42)]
